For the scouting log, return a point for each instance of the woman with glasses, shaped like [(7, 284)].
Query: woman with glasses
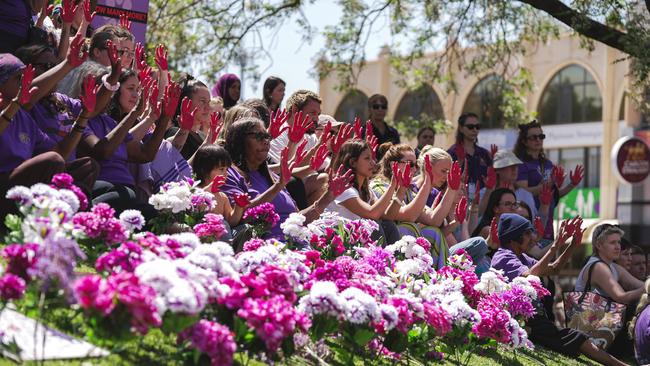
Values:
[(501, 201), (536, 169), (466, 150), (377, 108)]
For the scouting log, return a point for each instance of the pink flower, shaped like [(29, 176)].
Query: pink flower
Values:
[(424, 243), (253, 245), (518, 303), (469, 279), (212, 339), (95, 293), (436, 317), (99, 223), (263, 215), (12, 287), (494, 319), (211, 227), (20, 258), (138, 299), (125, 258), (278, 282), (62, 180)]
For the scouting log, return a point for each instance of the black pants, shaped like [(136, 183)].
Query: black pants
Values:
[(121, 197), (296, 189)]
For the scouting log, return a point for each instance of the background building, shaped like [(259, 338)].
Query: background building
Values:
[(579, 97)]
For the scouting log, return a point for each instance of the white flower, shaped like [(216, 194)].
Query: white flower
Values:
[(292, 227), (360, 308), (491, 283), (248, 261), (21, 194), (456, 306), (524, 284), (132, 220), (390, 316), (217, 257), (518, 335), (69, 198), (323, 298)]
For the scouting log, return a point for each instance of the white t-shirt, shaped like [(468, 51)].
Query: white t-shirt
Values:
[(342, 211), (278, 144), (527, 197)]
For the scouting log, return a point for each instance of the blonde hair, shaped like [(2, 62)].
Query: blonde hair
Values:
[(643, 302), (435, 154), (233, 115)]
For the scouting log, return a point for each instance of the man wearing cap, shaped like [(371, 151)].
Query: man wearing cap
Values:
[(516, 235), (506, 165)]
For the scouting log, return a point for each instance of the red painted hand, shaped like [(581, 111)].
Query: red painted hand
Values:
[(300, 154), (493, 150), (341, 137), (494, 231), (276, 122), (187, 114), (491, 179), (161, 58), (242, 199), (111, 48), (171, 97), (26, 90), (140, 57), (124, 22), (577, 175), (319, 157), (301, 123), (217, 183), (340, 181), (428, 167), (77, 54), (546, 194), (88, 16), (461, 210), (215, 126), (89, 96), (284, 166), (558, 175), (358, 130), (454, 176), (539, 227), (68, 10)]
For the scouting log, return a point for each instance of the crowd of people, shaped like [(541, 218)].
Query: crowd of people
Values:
[(87, 102)]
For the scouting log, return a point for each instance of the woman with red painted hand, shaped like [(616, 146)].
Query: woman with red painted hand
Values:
[(248, 142), (537, 170)]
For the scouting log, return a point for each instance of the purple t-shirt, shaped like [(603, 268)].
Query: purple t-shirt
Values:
[(15, 17), (432, 196), (21, 140), (533, 172), (284, 204), (114, 169), (477, 163), (512, 265), (642, 337), (54, 123)]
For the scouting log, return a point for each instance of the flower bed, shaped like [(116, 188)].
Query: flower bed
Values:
[(348, 299)]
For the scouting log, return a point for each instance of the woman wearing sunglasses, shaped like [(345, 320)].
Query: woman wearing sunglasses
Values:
[(377, 108)]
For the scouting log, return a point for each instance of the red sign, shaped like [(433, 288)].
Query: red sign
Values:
[(632, 158)]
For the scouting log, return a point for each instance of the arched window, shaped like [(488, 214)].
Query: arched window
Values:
[(422, 101), (485, 100), (354, 104), (571, 96)]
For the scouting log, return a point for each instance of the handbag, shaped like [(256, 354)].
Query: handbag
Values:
[(599, 317)]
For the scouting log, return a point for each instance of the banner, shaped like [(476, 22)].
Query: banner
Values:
[(109, 11), (580, 201)]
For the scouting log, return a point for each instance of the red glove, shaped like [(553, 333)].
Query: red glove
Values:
[(428, 167), (493, 150), (477, 193), (111, 48), (217, 182), (558, 175), (284, 166), (339, 182), (299, 127), (546, 194), (140, 57), (171, 97), (341, 137), (454, 176), (577, 175), (124, 22), (215, 126), (358, 130), (187, 114), (494, 231), (242, 199), (26, 91), (460, 152), (319, 157), (491, 179), (77, 54), (276, 122), (161, 58), (68, 10), (539, 227), (300, 154), (87, 14), (89, 96), (461, 210)]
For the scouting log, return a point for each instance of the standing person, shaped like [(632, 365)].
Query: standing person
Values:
[(537, 170), (273, 92), (377, 108), (426, 136), (466, 149), (228, 87)]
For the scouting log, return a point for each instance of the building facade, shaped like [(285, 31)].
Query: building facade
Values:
[(579, 97)]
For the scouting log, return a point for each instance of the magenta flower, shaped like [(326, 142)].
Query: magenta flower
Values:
[(253, 245), (212, 227), (62, 180), (99, 223), (20, 258), (263, 215), (436, 317), (95, 293), (213, 339), (125, 258), (12, 287), (138, 299)]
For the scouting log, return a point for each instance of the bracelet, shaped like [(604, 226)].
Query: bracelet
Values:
[(108, 86)]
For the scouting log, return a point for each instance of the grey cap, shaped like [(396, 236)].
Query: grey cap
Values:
[(504, 159)]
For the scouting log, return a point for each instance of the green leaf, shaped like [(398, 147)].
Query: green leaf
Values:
[(176, 323), (362, 336), (396, 341)]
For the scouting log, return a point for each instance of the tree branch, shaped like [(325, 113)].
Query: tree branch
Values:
[(583, 24)]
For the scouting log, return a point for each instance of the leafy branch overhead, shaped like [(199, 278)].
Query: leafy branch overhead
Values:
[(430, 41)]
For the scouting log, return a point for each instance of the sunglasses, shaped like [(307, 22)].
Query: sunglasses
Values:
[(380, 106), (260, 136), (473, 127), (541, 136)]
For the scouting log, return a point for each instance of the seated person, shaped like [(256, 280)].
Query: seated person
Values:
[(517, 235), (640, 328), (638, 267)]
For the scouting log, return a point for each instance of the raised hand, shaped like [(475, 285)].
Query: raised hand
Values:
[(546, 194), (300, 125), (578, 233), (215, 126), (373, 142), (319, 157), (171, 97), (340, 181), (124, 22), (325, 136), (26, 90), (276, 122), (187, 114), (111, 48), (77, 54), (454, 176), (154, 104), (285, 169), (577, 175), (461, 210), (539, 227), (491, 179), (146, 83), (300, 154), (88, 16), (558, 175), (242, 199), (341, 137), (161, 58), (493, 150), (494, 231), (68, 10), (217, 183), (436, 201), (428, 168), (89, 96), (144, 73), (140, 57), (405, 179), (460, 152), (358, 130)]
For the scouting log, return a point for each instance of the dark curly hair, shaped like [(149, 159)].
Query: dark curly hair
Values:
[(114, 110), (520, 146), (236, 146), (488, 215)]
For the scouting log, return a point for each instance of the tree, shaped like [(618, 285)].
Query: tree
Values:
[(481, 35)]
